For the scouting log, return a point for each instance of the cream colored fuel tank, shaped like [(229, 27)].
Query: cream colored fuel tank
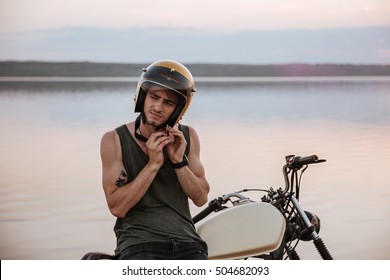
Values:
[(242, 231)]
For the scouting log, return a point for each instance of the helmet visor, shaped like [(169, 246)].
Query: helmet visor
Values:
[(152, 86), (170, 79)]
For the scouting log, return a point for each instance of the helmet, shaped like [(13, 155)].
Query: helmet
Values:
[(170, 75)]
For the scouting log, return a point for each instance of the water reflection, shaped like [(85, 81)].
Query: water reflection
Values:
[(341, 100)]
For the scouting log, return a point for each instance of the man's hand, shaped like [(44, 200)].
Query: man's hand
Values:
[(177, 145), (155, 145)]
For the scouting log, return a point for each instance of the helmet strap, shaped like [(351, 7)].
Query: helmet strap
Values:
[(143, 118), (140, 137), (161, 126)]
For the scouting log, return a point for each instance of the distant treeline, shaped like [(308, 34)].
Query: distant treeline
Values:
[(91, 69)]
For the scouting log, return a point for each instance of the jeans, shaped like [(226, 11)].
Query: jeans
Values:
[(171, 250)]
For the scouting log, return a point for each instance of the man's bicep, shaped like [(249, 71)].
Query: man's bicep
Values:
[(114, 173)]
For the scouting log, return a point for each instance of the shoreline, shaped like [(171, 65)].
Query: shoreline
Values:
[(120, 70), (220, 79)]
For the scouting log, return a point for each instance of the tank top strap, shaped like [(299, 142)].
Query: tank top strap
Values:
[(186, 131), (127, 144)]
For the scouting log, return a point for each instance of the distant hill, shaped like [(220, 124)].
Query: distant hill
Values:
[(91, 69)]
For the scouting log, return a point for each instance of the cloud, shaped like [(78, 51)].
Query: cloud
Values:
[(220, 15), (354, 45)]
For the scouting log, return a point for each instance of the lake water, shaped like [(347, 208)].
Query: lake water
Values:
[(52, 204)]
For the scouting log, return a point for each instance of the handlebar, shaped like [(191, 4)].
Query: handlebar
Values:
[(293, 162), (297, 161), (202, 214), (217, 204)]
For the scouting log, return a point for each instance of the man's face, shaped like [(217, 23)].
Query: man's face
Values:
[(159, 105)]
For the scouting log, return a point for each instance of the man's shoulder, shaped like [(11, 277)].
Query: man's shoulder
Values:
[(186, 126), (192, 134), (114, 132), (109, 137), (191, 130)]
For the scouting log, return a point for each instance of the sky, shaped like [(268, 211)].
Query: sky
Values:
[(30, 28)]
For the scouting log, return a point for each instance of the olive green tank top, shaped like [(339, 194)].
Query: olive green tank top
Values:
[(163, 213)]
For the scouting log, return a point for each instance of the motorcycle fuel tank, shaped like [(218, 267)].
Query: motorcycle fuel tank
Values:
[(242, 231)]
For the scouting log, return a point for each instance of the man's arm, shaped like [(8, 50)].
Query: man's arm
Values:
[(121, 198), (192, 178)]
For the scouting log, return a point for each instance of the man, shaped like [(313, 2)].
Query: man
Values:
[(151, 166)]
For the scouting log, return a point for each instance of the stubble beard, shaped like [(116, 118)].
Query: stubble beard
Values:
[(152, 123)]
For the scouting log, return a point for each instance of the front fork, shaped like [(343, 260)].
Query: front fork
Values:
[(318, 243)]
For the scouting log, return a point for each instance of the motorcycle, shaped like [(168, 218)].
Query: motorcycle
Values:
[(237, 227), (267, 229)]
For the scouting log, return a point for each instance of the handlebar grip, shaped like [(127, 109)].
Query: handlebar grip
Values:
[(214, 205), (307, 160), (202, 214), (298, 162)]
